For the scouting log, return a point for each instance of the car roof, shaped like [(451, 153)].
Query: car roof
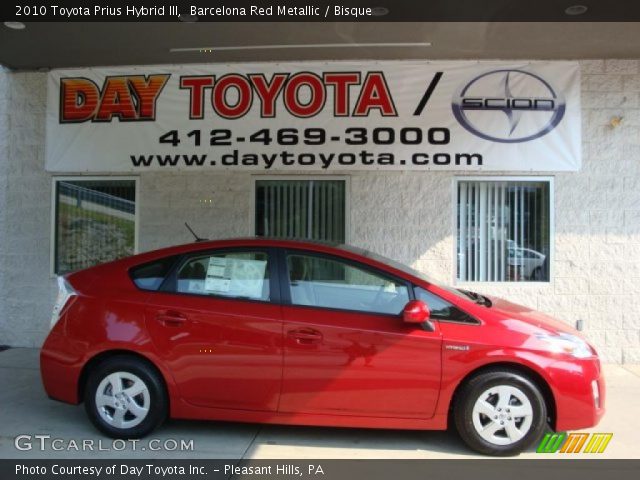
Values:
[(259, 241), (246, 242), (339, 249)]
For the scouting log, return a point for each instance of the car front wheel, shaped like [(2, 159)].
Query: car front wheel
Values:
[(500, 412), (125, 397)]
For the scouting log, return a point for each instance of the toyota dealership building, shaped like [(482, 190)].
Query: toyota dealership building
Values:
[(513, 177)]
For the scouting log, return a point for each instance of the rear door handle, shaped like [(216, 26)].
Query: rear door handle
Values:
[(305, 336), (171, 318)]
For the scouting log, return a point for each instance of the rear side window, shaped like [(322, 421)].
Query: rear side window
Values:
[(149, 276), (227, 274)]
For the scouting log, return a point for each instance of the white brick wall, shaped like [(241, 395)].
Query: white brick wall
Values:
[(4, 164), (596, 273), (25, 202)]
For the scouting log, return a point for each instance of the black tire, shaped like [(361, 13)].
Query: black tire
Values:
[(157, 397), (474, 388)]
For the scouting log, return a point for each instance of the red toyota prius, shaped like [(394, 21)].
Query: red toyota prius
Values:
[(279, 331)]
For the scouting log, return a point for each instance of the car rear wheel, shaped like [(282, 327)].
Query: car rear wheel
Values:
[(500, 412), (125, 397)]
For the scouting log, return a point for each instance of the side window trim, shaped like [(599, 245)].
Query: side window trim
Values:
[(170, 282), (280, 271), (286, 285)]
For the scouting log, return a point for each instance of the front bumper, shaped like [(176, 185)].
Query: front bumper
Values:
[(572, 384)]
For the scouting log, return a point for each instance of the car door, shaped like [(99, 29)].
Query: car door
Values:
[(346, 349), (218, 325)]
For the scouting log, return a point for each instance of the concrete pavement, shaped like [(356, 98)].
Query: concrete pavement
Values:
[(26, 410)]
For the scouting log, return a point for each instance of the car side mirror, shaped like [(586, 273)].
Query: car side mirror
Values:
[(416, 311)]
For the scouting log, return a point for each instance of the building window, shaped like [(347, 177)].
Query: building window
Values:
[(94, 222), (304, 209), (503, 230)]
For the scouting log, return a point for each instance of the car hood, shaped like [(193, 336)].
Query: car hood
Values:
[(535, 320)]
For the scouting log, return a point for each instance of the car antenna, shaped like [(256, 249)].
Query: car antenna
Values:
[(198, 239)]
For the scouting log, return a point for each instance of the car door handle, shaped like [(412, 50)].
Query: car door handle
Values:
[(305, 336), (171, 319)]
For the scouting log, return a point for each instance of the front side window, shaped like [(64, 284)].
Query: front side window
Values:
[(442, 310), (228, 274), (330, 283), (94, 222), (503, 231), (302, 209)]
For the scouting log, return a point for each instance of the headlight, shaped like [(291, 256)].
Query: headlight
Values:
[(567, 343)]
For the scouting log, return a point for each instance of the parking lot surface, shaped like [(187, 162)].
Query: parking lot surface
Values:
[(26, 411)]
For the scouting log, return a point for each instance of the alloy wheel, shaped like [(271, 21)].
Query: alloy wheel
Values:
[(502, 415), (122, 400)]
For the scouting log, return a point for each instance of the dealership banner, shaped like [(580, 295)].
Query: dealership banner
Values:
[(321, 116)]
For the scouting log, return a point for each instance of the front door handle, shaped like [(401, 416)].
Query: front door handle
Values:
[(171, 318), (305, 336)]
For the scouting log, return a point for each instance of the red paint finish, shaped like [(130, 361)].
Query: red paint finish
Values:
[(416, 311), (348, 363), (273, 362), (224, 353)]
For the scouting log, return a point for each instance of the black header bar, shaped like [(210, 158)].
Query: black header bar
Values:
[(323, 11)]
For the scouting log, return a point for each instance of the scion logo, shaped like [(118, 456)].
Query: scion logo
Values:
[(508, 106)]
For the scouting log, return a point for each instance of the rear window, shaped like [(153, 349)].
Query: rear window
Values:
[(149, 276)]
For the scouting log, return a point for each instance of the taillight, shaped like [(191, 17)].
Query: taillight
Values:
[(65, 293)]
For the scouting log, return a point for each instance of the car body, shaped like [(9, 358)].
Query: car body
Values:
[(305, 333)]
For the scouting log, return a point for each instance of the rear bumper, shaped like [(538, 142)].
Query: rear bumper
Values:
[(576, 407), (60, 369)]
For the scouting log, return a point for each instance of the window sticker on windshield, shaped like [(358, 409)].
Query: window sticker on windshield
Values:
[(217, 285), (235, 277), (247, 277), (195, 286), (217, 279), (216, 270)]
